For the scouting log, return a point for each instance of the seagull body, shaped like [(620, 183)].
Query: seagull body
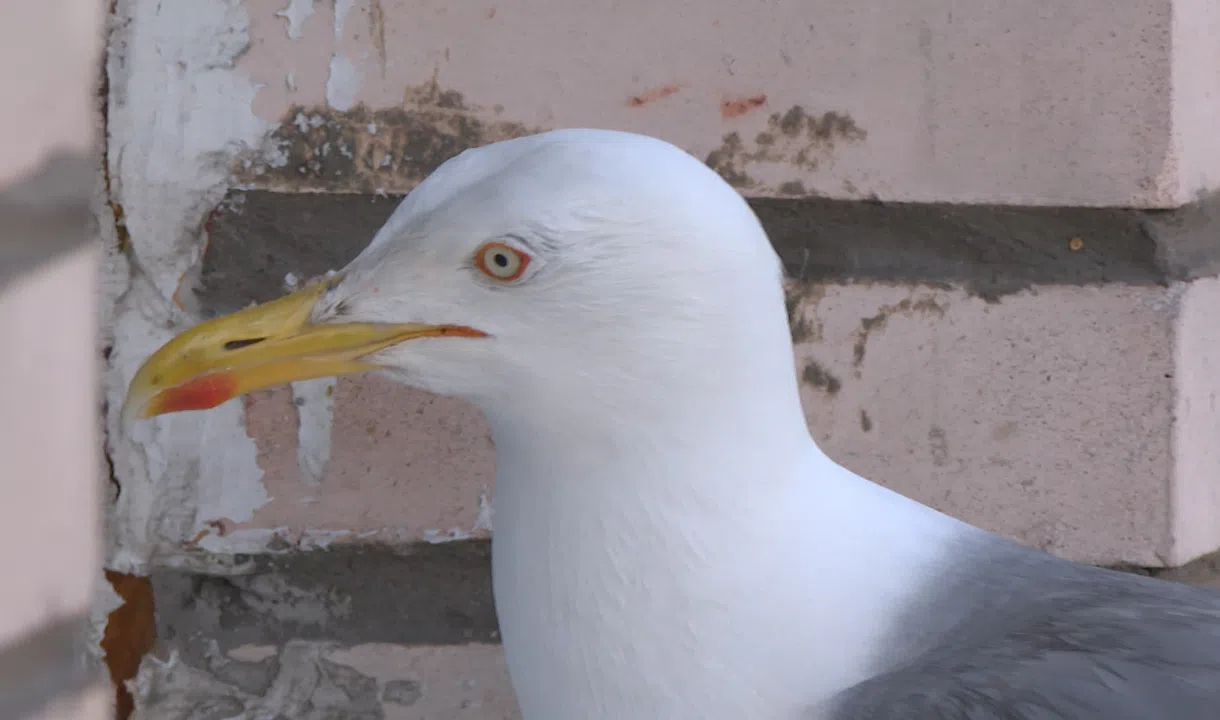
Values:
[(669, 540)]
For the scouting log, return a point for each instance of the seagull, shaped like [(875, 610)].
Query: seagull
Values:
[(670, 542)]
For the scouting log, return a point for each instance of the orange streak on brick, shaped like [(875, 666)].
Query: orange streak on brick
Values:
[(654, 94), (130, 634), (730, 109)]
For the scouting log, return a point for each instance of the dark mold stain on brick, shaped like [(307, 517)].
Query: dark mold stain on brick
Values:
[(819, 377), (726, 160), (869, 324), (866, 327), (829, 126), (736, 107), (794, 137), (367, 151), (866, 423), (657, 93)]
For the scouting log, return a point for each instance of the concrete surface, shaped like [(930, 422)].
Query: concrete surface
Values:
[(999, 221)]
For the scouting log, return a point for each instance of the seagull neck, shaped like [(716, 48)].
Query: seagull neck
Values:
[(680, 432), (629, 541)]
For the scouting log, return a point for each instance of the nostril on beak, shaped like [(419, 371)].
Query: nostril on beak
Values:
[(245, 342)]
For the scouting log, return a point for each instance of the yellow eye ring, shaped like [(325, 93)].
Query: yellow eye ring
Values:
[(501, 262)]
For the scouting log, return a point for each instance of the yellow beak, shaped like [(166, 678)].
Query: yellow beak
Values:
[(269, 344)]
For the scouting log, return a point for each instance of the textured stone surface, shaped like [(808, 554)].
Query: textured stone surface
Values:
[(320, 681), (422, 594)]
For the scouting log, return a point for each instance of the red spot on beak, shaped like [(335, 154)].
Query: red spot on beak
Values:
[(202, 393)]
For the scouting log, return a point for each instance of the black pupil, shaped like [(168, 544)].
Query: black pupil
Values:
[(501, 259)]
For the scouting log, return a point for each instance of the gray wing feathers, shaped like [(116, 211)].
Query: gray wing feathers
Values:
[(1045, 639)]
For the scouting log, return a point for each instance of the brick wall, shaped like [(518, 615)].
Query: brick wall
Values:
[(997, 219)]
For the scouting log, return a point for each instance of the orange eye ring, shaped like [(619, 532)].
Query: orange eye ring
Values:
[(501, 262)]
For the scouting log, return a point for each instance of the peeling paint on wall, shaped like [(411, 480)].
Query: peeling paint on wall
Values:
[(343, 83), (342, 8), (314, 400), (296, 13), (345, 79), (178, 113)]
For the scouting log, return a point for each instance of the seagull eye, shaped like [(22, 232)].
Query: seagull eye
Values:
[(501, 262)]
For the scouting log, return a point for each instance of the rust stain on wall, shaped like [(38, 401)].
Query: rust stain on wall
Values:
[(735, 108), (654, 94), (372, 151), (796, 138), (130, 635)]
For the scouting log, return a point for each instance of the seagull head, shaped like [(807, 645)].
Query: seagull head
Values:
[(573, 263)]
